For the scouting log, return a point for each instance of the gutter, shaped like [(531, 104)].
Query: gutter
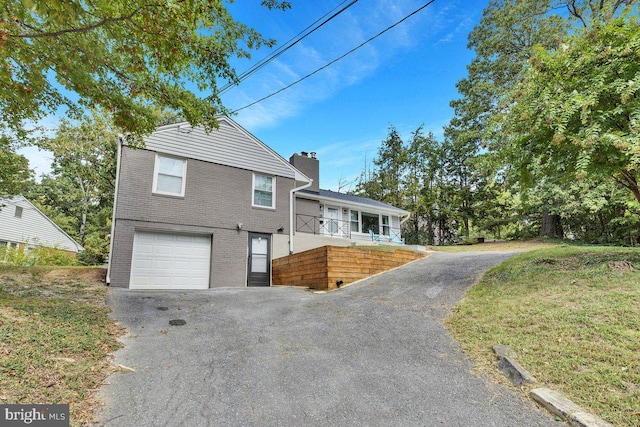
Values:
[(291, 211), (115, 204)]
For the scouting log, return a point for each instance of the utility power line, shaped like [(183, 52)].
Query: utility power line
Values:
[(335, 60), (310, 29)]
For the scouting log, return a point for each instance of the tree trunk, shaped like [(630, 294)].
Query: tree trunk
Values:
[(465, 221), (551, 226)]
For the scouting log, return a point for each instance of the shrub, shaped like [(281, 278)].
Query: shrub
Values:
[(37, 256)]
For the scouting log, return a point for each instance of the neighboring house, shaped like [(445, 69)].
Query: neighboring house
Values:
[(194, 210), (22, 225)]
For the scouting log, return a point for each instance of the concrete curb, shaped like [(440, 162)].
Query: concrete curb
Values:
[(552, 401), (507, 364), (559, 405)]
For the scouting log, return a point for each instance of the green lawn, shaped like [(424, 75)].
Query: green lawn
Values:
[(573, 320), (501, 246), (55, 337)]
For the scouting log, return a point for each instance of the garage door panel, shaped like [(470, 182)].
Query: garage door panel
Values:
[(170, 261)]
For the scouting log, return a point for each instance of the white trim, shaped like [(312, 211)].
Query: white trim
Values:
[(253, 191), (113, 213), (156, 172)]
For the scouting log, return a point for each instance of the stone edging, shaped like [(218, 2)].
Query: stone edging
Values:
[(551, 400)]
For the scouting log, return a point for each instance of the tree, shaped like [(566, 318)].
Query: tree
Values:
[(128, 57), (420, 187), (384, 183), (78, 195), (15, 175), (577, 108)]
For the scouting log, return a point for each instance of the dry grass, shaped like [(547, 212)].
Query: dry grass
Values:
[(572, 315), (55, 337)]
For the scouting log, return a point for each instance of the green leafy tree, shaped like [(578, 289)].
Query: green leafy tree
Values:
[(420, 192), (78, 194), (128, 57), (576, 110), (15, 175), (385, 182)]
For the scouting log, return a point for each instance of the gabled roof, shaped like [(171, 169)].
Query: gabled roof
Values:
[(32, 227), (349, 199), (229, 145)]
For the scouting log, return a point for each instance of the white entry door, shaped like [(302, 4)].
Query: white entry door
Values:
[(170, 261), (332, 221)]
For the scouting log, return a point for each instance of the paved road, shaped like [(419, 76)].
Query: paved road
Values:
[(371, 354)]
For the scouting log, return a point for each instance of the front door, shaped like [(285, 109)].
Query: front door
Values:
[(259, 260), (333, 215)]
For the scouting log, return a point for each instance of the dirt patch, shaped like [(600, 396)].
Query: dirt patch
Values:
[(97, 274), (621, 266)]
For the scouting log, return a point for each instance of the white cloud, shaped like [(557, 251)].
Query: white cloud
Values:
[(347, 31)]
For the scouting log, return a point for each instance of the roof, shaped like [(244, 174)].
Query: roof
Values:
[(230, 145), (32, 227), (329, 195)]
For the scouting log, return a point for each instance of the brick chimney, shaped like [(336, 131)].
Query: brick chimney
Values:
[(310, 166)]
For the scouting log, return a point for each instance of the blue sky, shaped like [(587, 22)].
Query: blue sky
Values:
[(405, 78)]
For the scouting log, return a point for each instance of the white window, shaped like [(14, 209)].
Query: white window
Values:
[(170, 175), (385, 225), (264, 191), (355, 222), (18, 213)]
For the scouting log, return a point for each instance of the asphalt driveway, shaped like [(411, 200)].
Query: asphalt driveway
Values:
[(373, 354)]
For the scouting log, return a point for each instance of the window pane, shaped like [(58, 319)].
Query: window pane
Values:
[(263, 190), (354, 222), (169, 184), (171, 166), (262, 198), (264, 183), (370, 222), (258, 263), (385, 225), (259, 255)]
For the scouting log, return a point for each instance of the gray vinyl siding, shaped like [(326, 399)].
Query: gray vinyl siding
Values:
[(229, 145), (33, 227), (305, 209), (395, 222), (217, 197)]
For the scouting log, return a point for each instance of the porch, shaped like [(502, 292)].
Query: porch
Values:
[(352, 230)]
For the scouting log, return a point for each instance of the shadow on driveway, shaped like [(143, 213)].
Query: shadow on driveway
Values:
[(374, 354)]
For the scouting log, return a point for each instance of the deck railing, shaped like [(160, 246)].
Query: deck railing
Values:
[(339, 228), (323, 226)]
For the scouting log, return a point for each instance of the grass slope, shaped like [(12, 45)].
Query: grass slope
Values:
[(573, 321), (55, 337)]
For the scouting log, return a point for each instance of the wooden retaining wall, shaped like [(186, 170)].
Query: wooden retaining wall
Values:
[(322, 268)]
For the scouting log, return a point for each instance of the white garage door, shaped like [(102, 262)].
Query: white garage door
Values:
[(170, 261)]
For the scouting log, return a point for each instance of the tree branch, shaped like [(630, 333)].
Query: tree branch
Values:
[(105, 21)]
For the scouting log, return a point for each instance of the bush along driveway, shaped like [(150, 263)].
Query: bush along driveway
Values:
[(373, 353)]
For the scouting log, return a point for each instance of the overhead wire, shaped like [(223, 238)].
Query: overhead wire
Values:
[(288, 44), (335, 60)]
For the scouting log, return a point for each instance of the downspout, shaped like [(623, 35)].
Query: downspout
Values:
[(406, 219), (291, 212), (115, 204)]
